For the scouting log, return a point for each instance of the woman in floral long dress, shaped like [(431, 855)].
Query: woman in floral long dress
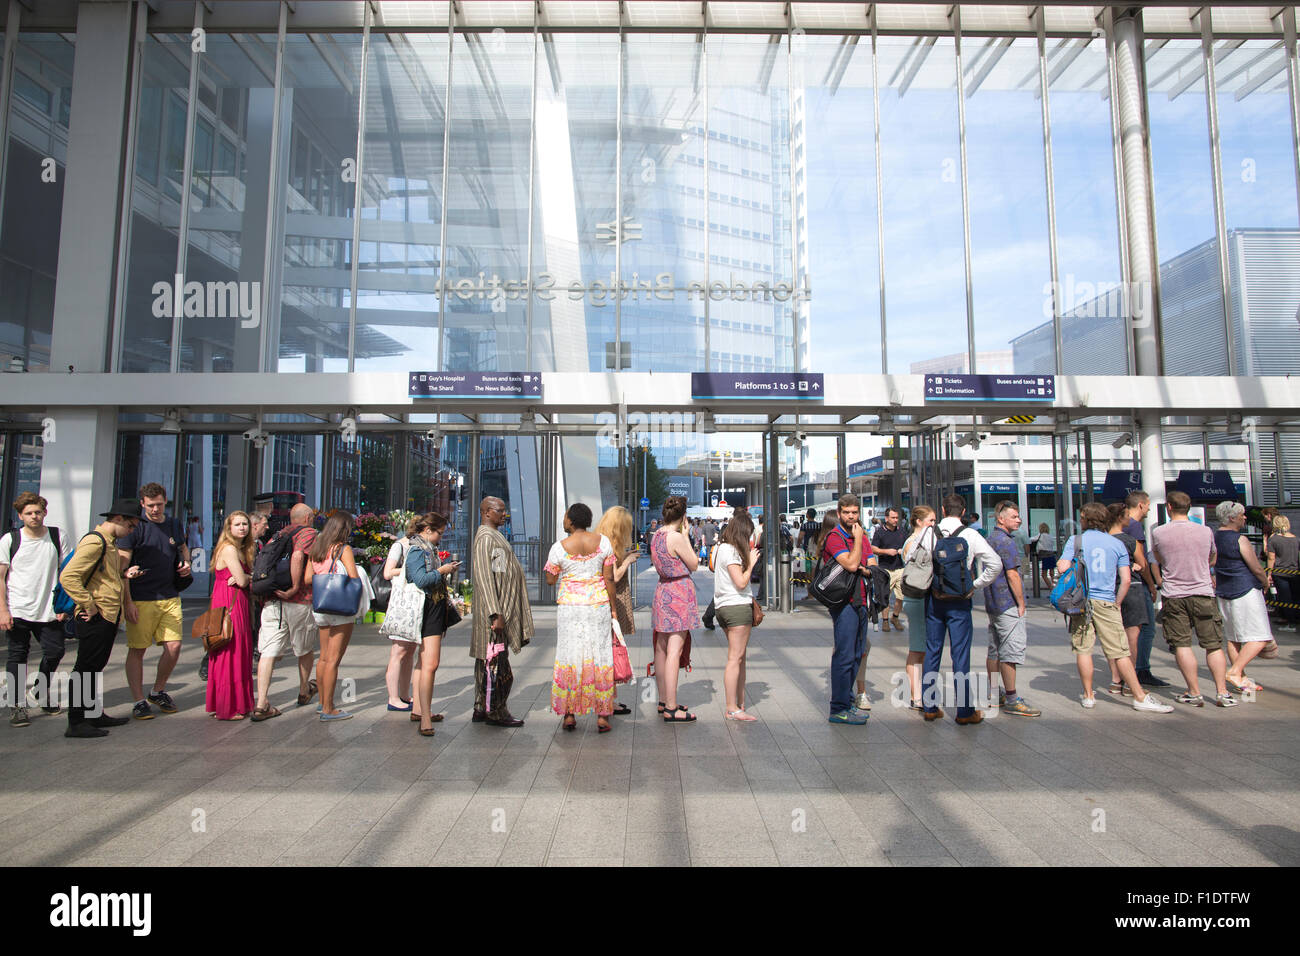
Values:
[(675, 611), (230, 693), (583, 566)]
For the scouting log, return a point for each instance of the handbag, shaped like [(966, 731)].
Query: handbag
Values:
[(213, 628), (404, 618), (622, 663), (758, 612), (382, 589), (336, 593)]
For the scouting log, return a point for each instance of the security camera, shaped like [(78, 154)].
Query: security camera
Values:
[(256, 436), (1122, 440), (433, 435)]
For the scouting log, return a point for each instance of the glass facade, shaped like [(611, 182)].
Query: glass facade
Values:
[(893, 188)]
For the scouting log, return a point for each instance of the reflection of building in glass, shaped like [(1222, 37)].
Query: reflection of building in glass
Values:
[(1265, 282), (988, 363)]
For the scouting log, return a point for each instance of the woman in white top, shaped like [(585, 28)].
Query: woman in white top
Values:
[(401, 656), (914, 608), (734, 605), (1046, 544)]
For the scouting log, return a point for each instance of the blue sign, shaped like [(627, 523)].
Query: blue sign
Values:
[(868, 467), (1119, 483), (990, 388), (1207, 485), (475, 385), (798, 386), (991, 489), (645, 503)]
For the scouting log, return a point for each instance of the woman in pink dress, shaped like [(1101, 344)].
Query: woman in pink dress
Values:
[(675, 611), (230, 669)]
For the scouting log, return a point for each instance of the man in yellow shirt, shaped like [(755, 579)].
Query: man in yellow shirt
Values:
[(93, 579)]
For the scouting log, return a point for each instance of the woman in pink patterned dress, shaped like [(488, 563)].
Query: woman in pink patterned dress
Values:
[(583, 566), (230, 670), (675, 611)]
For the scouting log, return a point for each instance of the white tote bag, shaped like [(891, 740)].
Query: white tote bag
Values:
[(405, 617)]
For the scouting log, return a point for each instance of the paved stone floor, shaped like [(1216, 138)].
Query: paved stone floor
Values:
[(1110, 786)]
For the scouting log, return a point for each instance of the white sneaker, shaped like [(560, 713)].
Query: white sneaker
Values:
[(1152, 703), (1088, 702), (862, 702)]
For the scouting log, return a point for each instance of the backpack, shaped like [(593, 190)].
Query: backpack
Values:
[(713, 558), (1070, 594), (918, 571), (271, 567), (951, 575), (63, 603), (16, 539)]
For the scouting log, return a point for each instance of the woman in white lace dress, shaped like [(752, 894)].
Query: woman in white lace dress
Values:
[(582, 564)]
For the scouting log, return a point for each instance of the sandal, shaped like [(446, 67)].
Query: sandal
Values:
[(740, 715), (436, 718), (305, 699), (570, 722), (661, 707), (265, 713), (602, 726), (426, 733), (622, 709), (674, 719)]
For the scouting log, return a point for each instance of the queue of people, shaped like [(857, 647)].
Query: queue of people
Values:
[(134, 564)]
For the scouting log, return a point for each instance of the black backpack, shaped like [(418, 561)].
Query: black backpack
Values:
[(16, 539), (271, 567)]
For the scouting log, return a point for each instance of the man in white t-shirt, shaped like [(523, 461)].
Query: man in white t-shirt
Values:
[(29, 568)]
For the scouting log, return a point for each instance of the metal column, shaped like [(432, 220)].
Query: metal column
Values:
[(1139, 231)]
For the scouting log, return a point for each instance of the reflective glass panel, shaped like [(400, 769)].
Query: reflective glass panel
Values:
[(146, 312), (664, 215), (35, 161), (1191, 293), (750, 204), (574, 195), (488, 200), (1010, 255), (322, 97), (925, 276), (1259, 194), (1093, 332), (835, 192), (228, 196), (401, 202)]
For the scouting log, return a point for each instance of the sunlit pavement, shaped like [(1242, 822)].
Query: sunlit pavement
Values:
[(1074, 787)]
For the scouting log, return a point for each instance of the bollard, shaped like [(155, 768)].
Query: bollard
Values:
[(785, 582)]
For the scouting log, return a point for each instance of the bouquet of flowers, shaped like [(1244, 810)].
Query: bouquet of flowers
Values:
[(462, 598), (370, 534)]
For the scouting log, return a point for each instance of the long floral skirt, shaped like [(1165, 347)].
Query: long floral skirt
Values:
[(584, 661)]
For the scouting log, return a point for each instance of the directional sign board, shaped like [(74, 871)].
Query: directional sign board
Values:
[(800, 386), (869, 467), (475, 385), (645, 503), (990, 388)]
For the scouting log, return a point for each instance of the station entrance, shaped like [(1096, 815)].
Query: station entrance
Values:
[(626, 439)]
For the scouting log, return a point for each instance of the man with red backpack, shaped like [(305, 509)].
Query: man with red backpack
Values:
[(948, 611)]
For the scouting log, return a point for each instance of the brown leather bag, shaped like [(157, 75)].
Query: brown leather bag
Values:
[(213, 627), (758, 612)]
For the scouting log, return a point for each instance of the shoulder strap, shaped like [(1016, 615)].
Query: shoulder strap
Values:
[(58, 543), (15, 539)]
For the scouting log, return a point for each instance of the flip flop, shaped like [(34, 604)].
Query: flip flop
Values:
[(622, 709), (261, 715)]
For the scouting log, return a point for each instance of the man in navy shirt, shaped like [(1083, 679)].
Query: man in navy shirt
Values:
[(1138, 505), (152, 602)]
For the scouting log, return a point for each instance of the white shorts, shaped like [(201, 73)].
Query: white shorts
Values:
[(287, 627), (1245, 618)]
